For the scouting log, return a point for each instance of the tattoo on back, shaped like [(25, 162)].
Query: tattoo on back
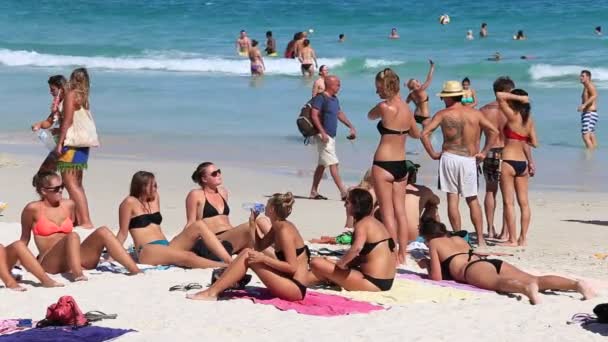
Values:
[(454, 130)]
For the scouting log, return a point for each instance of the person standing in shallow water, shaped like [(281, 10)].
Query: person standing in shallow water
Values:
[(319, 86), (588, 110), (271, 45), (257, 62)]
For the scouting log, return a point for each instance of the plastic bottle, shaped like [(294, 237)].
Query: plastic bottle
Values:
[(46, 138), (255, 206)]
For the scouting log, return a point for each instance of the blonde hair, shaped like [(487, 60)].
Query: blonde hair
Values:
[(389, 80), (80, 84), (366, 181), (282, 204)]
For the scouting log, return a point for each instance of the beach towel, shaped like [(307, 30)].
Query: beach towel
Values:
[(65, 334), (114, 267), (9, 326), (423, 278), (315, 303)]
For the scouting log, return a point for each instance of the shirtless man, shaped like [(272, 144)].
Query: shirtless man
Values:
[(394, 34), (271, 44), (420, 201), (419, 96), (243, 43), (307, 58), (257, 62), (588, 108), (319, 86), (461, 127)]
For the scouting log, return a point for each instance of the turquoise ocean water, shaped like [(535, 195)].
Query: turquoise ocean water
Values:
[(166, 82)]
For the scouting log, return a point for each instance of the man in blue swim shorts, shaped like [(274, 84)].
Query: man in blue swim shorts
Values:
[(588, 108)]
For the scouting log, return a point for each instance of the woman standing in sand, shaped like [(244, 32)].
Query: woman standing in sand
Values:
[(283, 274), (72, 161), (17, 252), (209, 203), (452, 259), (389, 170), (470, 97), (517, 164), (51, 219), (307, 58), (369, 264), (139, 215), (419, 96)]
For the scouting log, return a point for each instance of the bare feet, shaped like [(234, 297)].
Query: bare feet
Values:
[(522, 242), (16, 287), (508, 244), (531, 291), (481, 242), (585, 289), (202, 295), (52, 283), (81, 277)]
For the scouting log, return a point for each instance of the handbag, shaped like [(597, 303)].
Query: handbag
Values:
[(83, 132), (64, 312)]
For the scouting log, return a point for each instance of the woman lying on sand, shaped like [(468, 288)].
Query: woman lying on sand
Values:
[(18, 252), (369, 264), (51, 220), (139, 214), (452, 259), (209, 203), (283, 275)]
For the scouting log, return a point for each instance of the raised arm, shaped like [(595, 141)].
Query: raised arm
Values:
[(426, 136), (377, 111), (259, 243), (429, 76), (503, 98)]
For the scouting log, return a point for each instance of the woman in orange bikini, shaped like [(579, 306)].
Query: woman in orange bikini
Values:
[(60, 247)]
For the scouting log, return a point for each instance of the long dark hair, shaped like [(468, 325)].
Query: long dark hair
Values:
[(430, 229), (522, 108), (362, 203), (140, 182)]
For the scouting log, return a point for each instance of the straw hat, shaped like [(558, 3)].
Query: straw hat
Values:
[(451, 89)]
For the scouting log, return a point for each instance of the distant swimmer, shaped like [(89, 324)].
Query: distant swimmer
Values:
[(257, 62), (419, 96), (598, 30), (520, 36), (495, 57), (470, 97), (307, 58), (470, 35), (290, 49), (588, 110), (243, 43), (394, 34), (483, 32), (341, 38), (319, 86), (271, 45)]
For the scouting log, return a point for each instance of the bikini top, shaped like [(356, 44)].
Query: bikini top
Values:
[(144, 220), (509, 134), (421, 102), (210, 211), (369, 246), (383, 130), (46, 227), (281, 256), (467, 99)]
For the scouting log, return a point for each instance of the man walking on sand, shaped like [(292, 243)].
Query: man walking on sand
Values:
[(588, 108), (461, 127), (325, 114)]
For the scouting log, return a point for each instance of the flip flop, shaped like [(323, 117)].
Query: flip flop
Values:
[(187, 287), (240, 285), (318, 197), (94, 316)]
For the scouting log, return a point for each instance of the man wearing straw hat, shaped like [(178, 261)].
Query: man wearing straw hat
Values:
[(461, 127)]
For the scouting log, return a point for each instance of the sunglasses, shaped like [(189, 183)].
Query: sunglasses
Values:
[(215, 173), (55, 189)]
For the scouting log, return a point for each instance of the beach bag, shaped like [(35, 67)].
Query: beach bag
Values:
[(64, 312), (304, 122), (601, 311), (83, 132)]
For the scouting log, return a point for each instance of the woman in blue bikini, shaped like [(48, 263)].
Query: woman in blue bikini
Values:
[(470, 97)]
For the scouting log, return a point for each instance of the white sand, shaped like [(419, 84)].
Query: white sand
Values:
[(143, 302)]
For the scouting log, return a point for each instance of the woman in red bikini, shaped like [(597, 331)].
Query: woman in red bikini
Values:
[(517, 164), (51, 219)]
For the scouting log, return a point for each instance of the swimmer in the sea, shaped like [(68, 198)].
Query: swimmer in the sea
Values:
[(243, 43), (257, 62), (419, 96), (470, 35), (341, 38), (271, 45), (496, 57), (520, 36), (394, 34), (598, 30), (483, 32)]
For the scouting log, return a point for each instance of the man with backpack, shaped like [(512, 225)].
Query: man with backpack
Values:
[(325, 113)]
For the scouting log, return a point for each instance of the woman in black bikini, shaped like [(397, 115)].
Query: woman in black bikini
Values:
[(139, 215), (369, 264), (282, 274), (389, 171), (517, 164), (420, 97), (452, 259), (209, 203)]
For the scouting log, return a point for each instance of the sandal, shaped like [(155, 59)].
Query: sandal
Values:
[(187, 287), (318, 197), (240, 285), (94, 316)]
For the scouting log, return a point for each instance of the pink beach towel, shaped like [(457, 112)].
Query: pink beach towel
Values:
[(403, 274), (315, 303)]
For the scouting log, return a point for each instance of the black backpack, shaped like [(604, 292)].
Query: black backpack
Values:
[(304, 122)]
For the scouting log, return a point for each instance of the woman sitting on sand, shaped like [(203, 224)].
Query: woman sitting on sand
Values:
[(419, 96), (369, 264), (283, 274), (209, 203), (452, 259), (18, 252), (51, 220), (139, 214), (517, 164)]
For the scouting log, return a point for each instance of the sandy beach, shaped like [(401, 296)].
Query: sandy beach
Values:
[(567, 229)]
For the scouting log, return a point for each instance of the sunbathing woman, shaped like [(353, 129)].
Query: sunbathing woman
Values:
[(18, 252), (209, 203), (369, 264), (420, 97), (282, 275), (51, 220), (452, 259), (139, 214)]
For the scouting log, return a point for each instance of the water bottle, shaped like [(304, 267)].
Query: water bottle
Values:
[(255, 206), (46, 138)]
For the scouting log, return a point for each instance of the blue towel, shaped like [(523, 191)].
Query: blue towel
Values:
[(66, 334), (115, 267)]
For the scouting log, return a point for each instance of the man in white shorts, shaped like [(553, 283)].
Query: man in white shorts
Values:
[(461, 127), (325, 114)]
